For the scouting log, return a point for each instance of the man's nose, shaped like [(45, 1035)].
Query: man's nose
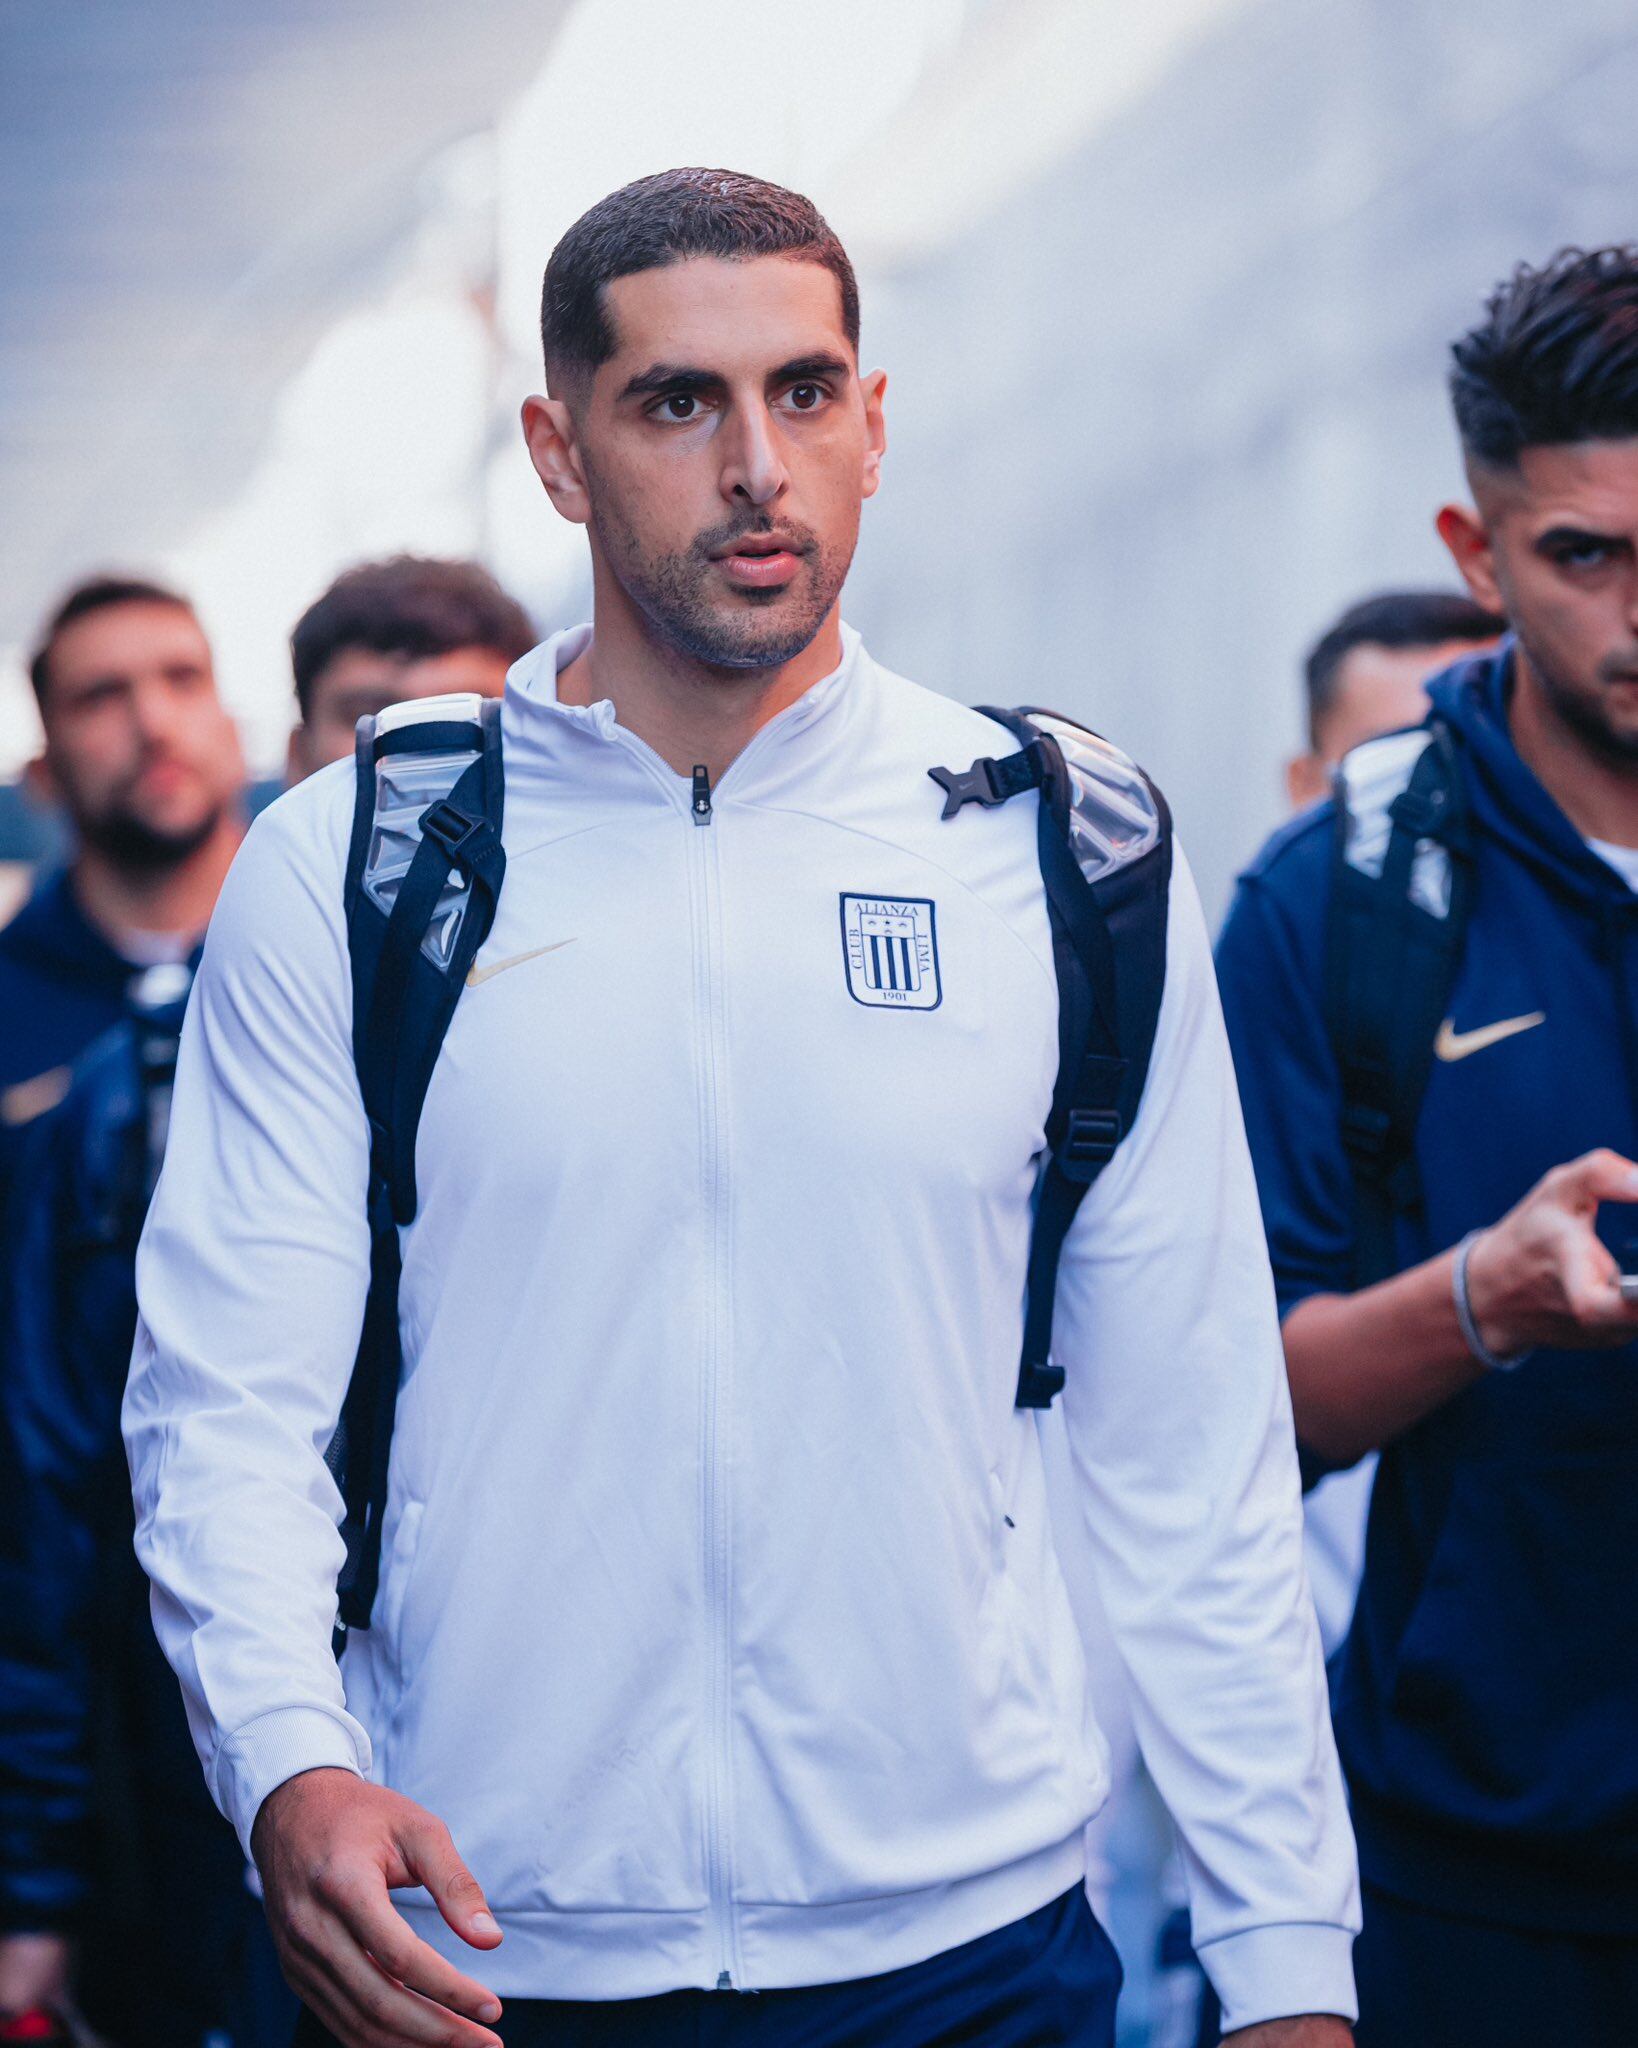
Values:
[(159, 711), (754, 469)]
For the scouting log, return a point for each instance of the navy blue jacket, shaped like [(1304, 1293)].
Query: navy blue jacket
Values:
[(105, 1822), (61, 985), (1486, 1701)]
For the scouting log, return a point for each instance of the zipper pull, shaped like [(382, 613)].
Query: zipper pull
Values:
[(702, 794)]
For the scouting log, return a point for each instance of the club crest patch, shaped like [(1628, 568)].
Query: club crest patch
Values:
[(890, 952)]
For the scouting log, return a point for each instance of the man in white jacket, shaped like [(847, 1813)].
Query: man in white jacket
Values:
[(719, 1621)]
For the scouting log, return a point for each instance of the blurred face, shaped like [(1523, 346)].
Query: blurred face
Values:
[(137, 745), (359, 682), (1555, 546), (721, 456), (1377, 690)]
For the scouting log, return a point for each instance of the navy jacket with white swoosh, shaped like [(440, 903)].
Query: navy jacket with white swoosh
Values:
[(1488, 1694)]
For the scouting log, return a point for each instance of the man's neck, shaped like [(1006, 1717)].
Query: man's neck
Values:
[(688, 711), (176, 900), (1597, 792)]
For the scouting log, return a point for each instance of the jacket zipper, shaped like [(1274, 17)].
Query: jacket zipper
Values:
[(716, 1403), (705, 906)]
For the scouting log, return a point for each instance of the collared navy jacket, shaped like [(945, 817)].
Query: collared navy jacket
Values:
[(61, 985), (1486, 1701)]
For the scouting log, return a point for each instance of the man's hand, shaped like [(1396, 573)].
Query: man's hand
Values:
[(1542, 1276), (329, 1846), (1313, 2030), (33, 1973)]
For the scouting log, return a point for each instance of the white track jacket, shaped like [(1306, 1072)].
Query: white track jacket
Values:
[(720, 1616)]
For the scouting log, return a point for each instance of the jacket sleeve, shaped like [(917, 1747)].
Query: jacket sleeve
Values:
[(1270, 968), (251, 1279), (52, 1455), (1179, 1427)]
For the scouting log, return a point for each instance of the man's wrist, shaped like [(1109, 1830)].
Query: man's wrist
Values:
[(1305, 2030), (1489, 1343)]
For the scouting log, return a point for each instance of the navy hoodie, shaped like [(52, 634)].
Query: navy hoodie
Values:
[(1486, 1701)]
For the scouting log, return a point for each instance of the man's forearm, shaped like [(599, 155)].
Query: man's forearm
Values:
[(1364, 1367)]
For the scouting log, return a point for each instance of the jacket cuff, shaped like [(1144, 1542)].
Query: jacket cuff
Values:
[(1277, 1973), (257, 1758)]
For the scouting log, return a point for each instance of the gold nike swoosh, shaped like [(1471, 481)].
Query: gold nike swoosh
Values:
[(479, 975), (1452, 1044)]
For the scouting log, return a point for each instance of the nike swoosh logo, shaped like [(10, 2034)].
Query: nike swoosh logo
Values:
[(23, 1101), (1452, 1044), (479, 975)]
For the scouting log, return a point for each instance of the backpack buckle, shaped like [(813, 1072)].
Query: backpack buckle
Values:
[(989, 781), (1090, 1142)]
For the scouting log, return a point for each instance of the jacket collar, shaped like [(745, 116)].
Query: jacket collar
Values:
[(1509, 803), (531, 691)]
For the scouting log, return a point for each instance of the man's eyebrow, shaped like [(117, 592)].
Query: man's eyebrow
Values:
[(821, 364), (660, 377)]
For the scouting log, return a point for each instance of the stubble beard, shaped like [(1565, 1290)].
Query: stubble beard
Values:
[(128, 842), (755, 630), (1583, 711)]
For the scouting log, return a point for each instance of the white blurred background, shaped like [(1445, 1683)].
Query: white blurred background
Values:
[(1163, 288)]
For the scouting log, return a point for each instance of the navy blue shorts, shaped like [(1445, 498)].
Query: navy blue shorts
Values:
[(1047, 1981)]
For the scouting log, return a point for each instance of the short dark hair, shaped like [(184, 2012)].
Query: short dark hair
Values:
[(95, 594), (1554, 361), (1394, 619), (411, 606), (665, 219)]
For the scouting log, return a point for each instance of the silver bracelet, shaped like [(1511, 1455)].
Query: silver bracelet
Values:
[(1464, 1313)]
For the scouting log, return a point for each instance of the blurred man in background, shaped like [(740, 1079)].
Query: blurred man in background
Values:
[(146, 765), (387, 631), (174, 1954), (1368, 674), (1434, 1014)]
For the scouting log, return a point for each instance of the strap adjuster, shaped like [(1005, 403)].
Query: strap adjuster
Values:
[(1420, 811), (1365, 1131), (1038, 1384), (1089, 1142), (452, 828)]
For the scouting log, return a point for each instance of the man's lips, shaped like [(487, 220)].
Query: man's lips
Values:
[(759, 561)]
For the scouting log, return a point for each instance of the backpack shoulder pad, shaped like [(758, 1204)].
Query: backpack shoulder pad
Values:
[(1372, 785)]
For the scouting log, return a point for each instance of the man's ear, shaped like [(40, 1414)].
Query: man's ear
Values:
[(1307, 779), (41, 783), (549, 430), (297, 766), (1463, 531), (874, 388)]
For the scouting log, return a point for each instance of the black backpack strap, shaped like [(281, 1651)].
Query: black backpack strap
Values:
[(1106, 907), (422, 887), (1401, 889)]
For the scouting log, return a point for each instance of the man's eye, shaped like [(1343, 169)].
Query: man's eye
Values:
[(1583, 554), (679, 405), (806, 396)]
